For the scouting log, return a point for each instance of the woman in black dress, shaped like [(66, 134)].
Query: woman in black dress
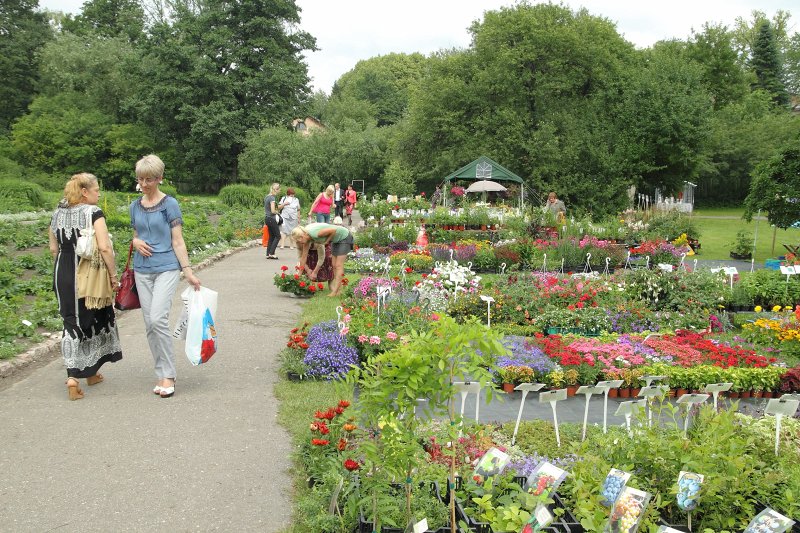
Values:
[(90, 336)]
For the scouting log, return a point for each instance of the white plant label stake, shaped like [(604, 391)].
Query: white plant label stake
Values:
[(690, 400), (554, 397), (780, 407), (607, 386), (626, 409), (715, 389), (502, 268), (525, 388), (587, 391), (488, 300)]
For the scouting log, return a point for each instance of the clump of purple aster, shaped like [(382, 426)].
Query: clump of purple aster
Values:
[(328, 356), (462, 254), (526, 464), (524, 353)]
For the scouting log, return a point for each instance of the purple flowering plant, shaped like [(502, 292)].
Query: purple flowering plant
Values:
[(523, 353), (328, 356)]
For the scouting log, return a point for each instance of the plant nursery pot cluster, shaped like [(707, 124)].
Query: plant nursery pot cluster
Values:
[(567, 523)]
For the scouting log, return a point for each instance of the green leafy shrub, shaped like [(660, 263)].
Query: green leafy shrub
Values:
[(238, 195), (22, 192), (670, 226)]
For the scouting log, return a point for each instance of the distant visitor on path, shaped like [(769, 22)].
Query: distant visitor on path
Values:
[(338, 200), (290, 207), (350, 199), (556, 207), (90, 337), (340, 239), (321, 206), (160, 258), (273, 219)]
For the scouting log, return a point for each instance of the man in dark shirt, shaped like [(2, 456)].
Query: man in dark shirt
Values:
[(338, 200)]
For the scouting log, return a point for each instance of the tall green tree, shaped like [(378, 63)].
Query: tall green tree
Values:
[(23, 32), (776, 188), (723, 76), (382, 81), (212, 71), (766, 64), (100, 68), (109, 18)]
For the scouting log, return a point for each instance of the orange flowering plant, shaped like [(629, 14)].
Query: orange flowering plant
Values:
[(332, 441)]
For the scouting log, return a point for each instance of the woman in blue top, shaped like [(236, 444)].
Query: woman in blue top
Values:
[(160, 258)]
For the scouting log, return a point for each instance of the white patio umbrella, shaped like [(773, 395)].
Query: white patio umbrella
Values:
[(484, 186)]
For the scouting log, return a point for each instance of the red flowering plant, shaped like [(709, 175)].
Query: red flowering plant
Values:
[(332, 441), (297, 337), (297, 283)]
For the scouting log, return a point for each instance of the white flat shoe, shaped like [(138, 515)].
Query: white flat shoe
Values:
[(157, 389), (167, 392)]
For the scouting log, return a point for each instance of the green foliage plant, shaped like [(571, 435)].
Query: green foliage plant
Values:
[(239, 195), (390, 384)]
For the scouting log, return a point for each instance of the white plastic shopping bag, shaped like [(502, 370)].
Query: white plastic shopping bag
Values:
[(201, 332)]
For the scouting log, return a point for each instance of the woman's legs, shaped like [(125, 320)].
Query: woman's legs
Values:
[(274, 236), (320, 217), (338, 274), (155, 296)]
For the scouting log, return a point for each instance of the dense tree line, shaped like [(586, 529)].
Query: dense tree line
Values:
[(558, 96)]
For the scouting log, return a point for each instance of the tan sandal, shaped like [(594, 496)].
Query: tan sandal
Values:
[(94, 380), (74, 389)]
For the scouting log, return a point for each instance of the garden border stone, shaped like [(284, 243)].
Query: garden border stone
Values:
[(47, 350)]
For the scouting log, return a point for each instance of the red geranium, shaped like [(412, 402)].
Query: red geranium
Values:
[(351, 465)]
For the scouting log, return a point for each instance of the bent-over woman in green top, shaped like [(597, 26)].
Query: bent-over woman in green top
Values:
[(319, 233)]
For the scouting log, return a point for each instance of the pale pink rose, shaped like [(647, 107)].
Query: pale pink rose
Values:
[(391, 335), (363, 338)]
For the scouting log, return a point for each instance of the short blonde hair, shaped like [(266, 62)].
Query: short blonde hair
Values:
[(150, 166), (78, 182), (299, 231), (330, 189)]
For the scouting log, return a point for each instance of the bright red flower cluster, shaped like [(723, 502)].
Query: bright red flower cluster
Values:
[(297, 337)]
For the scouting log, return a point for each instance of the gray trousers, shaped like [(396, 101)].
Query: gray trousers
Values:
[(155, 296)]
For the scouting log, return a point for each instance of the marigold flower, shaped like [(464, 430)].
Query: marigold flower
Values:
[(338, 410), (776, 308), (323, 428), (349, 427), (341, 445), (351, 465), (320, 442)]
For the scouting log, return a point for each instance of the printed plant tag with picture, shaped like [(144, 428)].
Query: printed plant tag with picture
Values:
[(688, 489), (628, 511), (769, 521), (492, 463), (541, 517), (545, 477), (612, 486)]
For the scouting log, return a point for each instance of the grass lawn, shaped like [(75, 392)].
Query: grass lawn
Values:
[(716, 234)]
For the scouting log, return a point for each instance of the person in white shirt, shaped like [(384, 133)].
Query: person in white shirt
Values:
[(338, 200)]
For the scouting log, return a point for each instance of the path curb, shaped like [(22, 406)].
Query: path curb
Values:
[(49, 349)]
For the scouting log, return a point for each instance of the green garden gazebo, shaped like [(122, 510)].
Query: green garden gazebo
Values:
[(484, 168)]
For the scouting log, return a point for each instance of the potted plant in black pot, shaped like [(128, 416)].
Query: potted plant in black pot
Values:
[(742, 246)]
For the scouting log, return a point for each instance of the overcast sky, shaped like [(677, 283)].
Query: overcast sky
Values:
[(348, 31)]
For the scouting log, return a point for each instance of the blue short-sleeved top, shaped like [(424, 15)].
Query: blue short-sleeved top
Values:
[(154, 226)]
